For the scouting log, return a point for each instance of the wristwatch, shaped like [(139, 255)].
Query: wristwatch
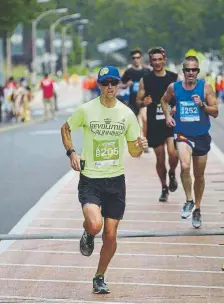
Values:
[(69, 152), (203, 105)]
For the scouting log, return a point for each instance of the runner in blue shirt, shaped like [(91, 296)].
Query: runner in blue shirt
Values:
[(195, 102)]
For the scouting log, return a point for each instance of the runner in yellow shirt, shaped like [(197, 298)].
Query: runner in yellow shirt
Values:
[(106, 124)]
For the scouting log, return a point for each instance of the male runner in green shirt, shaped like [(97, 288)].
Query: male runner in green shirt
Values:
[(106, 123)]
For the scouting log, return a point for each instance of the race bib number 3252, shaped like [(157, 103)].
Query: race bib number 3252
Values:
[(106, 152), (189, 111)]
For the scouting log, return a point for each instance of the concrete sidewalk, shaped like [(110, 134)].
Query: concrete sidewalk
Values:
[(144, 270)]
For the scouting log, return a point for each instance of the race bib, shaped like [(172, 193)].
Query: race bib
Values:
[(106, 152), (135, 87), (159, 113), (189, 111)]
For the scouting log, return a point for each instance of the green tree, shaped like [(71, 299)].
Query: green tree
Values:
[(13, 12)]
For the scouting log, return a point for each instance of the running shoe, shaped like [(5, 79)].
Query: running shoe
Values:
[(173, 182), (187, 209), (164, 194), (86, 244), (99, 286), (196, 218)]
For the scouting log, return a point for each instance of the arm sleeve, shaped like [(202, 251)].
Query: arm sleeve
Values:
[(77, 119), (133, 129)]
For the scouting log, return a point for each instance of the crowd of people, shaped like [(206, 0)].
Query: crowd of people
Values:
[(161, 111), (16, 97)]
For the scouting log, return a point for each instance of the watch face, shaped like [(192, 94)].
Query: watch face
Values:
[(69, 152)]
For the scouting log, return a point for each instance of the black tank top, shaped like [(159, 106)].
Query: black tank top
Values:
[(156, 86)]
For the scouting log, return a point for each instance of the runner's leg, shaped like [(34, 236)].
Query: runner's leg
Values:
[(93, 219), (161, 171), (160, 164), (185, 154), (173, 162), (199, 164), (93, 224), (45, 109), (109, 244)]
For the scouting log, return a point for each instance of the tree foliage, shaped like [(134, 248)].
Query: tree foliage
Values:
[(13, 12), (176, 25)]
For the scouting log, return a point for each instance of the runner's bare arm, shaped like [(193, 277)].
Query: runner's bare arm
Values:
[(67, 141), (141, 93), (134, 149), (123, 85), (66, 136), (211, 108), (168, 95)]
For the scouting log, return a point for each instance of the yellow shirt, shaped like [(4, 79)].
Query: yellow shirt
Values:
[(105, 130)]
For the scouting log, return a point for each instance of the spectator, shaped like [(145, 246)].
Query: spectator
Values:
[(47, 86)]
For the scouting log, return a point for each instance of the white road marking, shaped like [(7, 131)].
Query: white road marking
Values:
[(51, 300), (72, 202), (126, 221), (130, 211), (110, 268), (45, 132), (121, 254), (139, 242), (113, 283)]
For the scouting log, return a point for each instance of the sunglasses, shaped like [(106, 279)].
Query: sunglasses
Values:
[(136, 57), (106, 83), (191, 70)]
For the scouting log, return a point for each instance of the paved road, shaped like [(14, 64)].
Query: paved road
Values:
[(179, 269), (218, 128), (32, 160)]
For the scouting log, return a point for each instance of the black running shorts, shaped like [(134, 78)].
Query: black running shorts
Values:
[(200, 144), (157, 133), (107, 193)]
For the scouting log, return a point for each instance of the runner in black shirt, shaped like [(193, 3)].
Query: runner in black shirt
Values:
[(131, 79), (152, 88)]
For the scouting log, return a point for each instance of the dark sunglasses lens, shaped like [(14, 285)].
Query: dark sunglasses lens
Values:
[(136, 57), (189, 70), (107, 82)]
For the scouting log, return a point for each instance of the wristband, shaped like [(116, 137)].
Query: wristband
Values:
[(203, 105), (69, 152)]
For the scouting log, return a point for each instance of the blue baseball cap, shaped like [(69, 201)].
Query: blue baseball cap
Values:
[(108, 71)]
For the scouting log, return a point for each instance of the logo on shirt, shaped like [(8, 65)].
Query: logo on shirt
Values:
[(107, 127)]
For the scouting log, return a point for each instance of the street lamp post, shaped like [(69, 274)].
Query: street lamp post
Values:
[(83, 43), (83, 57), (34, 32), (52, 36), (64, 33)]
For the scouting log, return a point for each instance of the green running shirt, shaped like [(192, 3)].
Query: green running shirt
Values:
[(105, 130)]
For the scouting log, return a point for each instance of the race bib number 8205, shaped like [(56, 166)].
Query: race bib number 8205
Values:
[(106, 152)]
